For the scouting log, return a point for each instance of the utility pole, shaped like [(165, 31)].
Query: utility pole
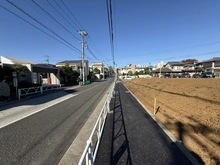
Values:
[(103, 70), (83, 33), (47, 60)]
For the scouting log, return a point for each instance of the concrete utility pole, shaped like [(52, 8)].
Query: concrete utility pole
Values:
[(103, 71), (47, 60), (83, 33)]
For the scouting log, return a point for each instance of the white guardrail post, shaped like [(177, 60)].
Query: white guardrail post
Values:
[(89, 154)]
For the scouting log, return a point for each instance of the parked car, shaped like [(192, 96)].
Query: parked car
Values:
[(185, 75), (177, 75), (208, 75), (128, 78), (196, 75), (167, 75)]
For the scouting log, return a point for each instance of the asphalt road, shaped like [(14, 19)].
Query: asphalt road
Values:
[(42, 138), (131, 136)]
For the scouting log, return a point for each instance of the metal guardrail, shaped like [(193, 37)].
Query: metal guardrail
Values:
[(38, 89), (90, 151)]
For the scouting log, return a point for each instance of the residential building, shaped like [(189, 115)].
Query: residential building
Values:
[(35, 70), (76, 65), (175, 66), (190, 68), (211, 65), (100, 66)]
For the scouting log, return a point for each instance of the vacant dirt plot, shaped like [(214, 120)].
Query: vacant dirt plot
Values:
[(188, 108)]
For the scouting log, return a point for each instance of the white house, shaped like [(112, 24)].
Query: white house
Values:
[(35, 70)]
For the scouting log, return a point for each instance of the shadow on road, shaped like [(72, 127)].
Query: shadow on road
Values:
[(31, 99), (120, 151)]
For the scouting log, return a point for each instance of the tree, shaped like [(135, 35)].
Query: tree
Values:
[(130, 73), (136, 73), (21, 70), (189, 61), (96, 71), (110, 69), (69, 75), (141, 72), (146, 70)]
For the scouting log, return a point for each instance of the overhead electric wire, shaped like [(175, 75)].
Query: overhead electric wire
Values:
[(92, 53), (87, 38), (93, 44), (36, 27), (90, 40), (61, 15), (42, 25), (54, 19), (45, 16), (72, 16), (110, 23)]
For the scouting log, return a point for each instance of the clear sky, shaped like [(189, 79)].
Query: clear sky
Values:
[(145, 31)]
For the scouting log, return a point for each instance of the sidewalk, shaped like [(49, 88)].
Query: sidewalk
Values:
[(131, 136), (13, 98)]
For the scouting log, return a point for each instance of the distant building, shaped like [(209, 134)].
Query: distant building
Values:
[(175, 66), (77, 66), (100, 66), (211, 65)]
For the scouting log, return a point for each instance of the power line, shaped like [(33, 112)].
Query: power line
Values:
[(72, 16), (36, 27), (110, 23), (44, 16), (54, 19), (90, 39), (60, 14), (182, 56), (93, 44), (92, 53), (43, 25)]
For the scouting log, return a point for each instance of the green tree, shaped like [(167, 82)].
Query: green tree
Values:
[(189, 61), (136, 73), (141, 72), (110, 69), (21, 70), (146, 70), (69, 75), (96, 71), (130, 73)]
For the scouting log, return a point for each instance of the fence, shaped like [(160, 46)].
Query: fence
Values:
[(38, 89), (90, 151)]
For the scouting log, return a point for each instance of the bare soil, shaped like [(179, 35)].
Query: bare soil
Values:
[(188, 108)]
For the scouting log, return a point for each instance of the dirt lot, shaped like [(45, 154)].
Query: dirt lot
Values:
[(188, 108)]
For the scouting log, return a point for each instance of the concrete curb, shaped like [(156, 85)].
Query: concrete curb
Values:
[(75, 151)]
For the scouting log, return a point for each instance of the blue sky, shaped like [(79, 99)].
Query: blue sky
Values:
[(145, 31)]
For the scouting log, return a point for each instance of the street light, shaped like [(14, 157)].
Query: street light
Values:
[(83, 33)]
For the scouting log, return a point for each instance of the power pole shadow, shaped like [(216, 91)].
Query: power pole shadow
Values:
[(120, 152)]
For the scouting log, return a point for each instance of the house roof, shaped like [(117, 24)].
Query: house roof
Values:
[(175, 63), (163, 70), (16, 61), (210, 60), (70, 62), (97, 64), (189, 65)]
